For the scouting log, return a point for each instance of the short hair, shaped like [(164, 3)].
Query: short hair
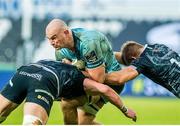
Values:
[(129, 50)]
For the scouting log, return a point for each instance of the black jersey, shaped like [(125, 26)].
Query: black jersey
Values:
[(43, 82), (67, 79), (162, 65)]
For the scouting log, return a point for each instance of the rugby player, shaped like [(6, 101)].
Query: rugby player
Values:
[(93, 49), (43, 82), (157, 62)]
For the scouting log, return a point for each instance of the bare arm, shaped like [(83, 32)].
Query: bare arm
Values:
[(94, 88), (97, 74), (122, 76)]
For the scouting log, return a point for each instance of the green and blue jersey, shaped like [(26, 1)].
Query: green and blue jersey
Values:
[(92, 47)]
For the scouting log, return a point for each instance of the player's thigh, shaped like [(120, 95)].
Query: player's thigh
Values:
[(6, 106), (38, 103), (69, 109), (35, 112), (84, 117)]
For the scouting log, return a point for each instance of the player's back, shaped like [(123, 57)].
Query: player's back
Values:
[(162, 65), (70, 78)]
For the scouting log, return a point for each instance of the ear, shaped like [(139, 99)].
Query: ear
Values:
[(66, 32)]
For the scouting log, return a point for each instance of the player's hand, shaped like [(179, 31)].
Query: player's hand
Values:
[(66, 61), (131, 114), (79, 64)]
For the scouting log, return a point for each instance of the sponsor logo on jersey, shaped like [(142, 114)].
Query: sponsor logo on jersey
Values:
[(91, 57), (35, 76), (43, 98)]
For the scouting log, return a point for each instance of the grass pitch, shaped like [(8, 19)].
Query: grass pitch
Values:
[(154, 111)]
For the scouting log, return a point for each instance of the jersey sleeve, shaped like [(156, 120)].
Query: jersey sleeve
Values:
[(59, 55), (92, 54), (139, 64)]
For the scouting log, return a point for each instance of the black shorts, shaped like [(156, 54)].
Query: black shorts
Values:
[(33, 84)]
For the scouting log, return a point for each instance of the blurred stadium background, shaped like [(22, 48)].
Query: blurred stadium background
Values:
[(22, 40)]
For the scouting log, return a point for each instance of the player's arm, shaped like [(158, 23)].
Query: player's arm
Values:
[(121, 76), (59, 55), (97, 74), (94, 61), (94, 88)]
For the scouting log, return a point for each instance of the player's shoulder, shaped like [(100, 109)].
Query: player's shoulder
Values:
[(87, 34)]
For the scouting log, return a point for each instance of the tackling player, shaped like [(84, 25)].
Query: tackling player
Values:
[(45, 81), (157, 62)]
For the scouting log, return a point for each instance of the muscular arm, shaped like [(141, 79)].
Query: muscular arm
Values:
[(122, 76), (97, 74), (94, 59), (118, 77), (94, 88)]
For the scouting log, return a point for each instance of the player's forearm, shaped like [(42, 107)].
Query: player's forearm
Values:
[(120, 77), (99, 78), (115, 99)]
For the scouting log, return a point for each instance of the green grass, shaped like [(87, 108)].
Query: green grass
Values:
[(149, 111)]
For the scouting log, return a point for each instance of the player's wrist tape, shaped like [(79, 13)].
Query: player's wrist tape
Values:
[(124, 109)]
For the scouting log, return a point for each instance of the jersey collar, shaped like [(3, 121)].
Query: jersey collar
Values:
[(76, 44)]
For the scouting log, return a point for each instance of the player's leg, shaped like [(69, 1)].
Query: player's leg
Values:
[(34, 114), (6, 107), (11, 96), (69, 109), (38, 103), (87, 113), (85, 118), (39, 97)]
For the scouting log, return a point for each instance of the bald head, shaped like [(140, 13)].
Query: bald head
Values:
[(59, 34), (56, 24)]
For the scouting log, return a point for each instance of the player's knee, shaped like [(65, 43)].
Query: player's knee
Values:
[(2, 118), (32, 120)]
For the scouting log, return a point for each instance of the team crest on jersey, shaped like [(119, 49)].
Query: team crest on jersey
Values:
[(91, 57)]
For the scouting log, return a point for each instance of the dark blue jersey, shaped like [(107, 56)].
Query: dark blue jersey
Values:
[(162, 65), (43, 82), (67, 79)]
